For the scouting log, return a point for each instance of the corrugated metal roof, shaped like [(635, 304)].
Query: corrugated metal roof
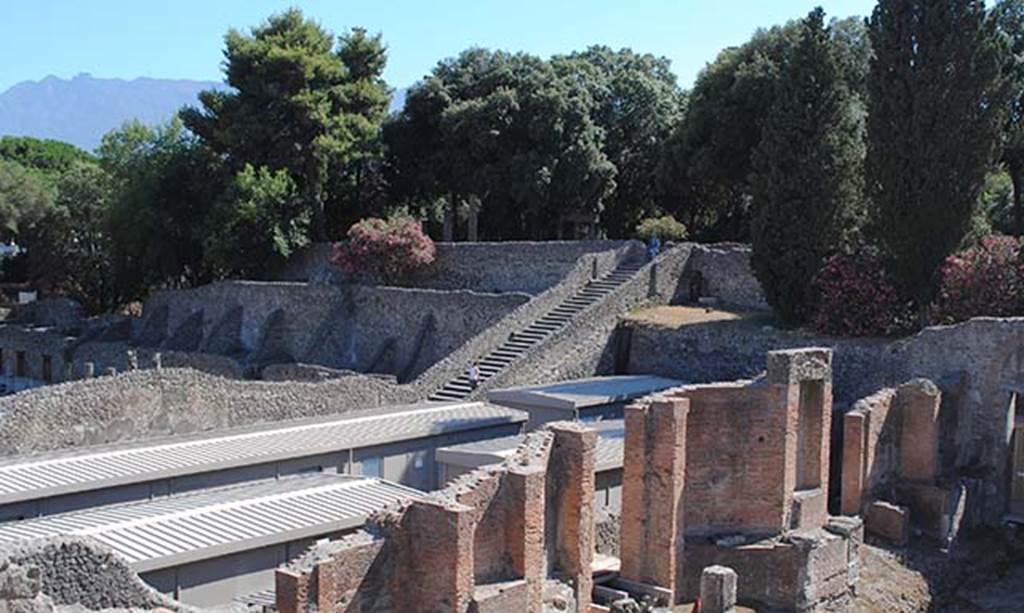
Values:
[(33, 477), (168, 532), (582, 393), (611, 439)]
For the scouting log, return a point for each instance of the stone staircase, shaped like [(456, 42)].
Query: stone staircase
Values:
[(519, 343)]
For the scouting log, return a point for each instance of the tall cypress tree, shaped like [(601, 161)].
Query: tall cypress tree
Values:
[(935, 108), (807, 178)]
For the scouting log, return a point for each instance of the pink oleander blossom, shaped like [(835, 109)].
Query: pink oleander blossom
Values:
[(384, 249)]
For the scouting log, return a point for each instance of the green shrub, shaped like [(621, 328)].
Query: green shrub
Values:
[(666, 227)]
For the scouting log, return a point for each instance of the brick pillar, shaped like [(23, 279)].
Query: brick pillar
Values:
[(718, 590), (291, 591), (572, 472), (852, 487), (654, 471), (525, 530), (434, 571), (918, 402)]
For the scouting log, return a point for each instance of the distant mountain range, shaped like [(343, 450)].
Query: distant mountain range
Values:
[(82, 109)]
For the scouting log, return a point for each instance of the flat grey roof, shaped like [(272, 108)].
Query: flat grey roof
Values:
[(53, 474), (582, 393), (171, 531), (611, 439)]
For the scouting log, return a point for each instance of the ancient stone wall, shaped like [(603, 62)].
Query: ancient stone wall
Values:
[(490, 541), (891, 466), (496, 267), (147, 403), (736, 474), (975, 363), (589, 345), (377, 329), (722, 271), (38, 575)]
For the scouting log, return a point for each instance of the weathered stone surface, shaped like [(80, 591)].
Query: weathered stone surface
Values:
[(888, 521), (72, 572), (718, 590), (146, 403), (977, 359)]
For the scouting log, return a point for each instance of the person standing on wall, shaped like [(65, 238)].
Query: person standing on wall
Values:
[(653, 246), (474, 375)]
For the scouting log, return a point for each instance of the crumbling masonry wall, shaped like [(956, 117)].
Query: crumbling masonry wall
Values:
[(892, 469), (737, 474), (493, 540), (47, 573)]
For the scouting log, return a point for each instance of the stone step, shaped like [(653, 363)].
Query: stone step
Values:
[(501, 356), (517, 345), (447, 396)]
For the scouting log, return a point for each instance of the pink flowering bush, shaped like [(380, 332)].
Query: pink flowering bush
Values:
[(856, 297), (986, 279), (384, 249)]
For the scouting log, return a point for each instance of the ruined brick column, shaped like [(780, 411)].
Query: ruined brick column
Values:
[(525, 530), (572, 479), (291, 591), (434, 571), (918, 403), (852, 488), (651, 540)]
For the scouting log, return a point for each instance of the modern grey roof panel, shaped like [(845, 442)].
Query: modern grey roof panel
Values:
[(582, 393), (53, 474), (611, 438), (168, 532)]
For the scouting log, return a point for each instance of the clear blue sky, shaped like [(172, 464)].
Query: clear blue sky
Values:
[(183, 38)]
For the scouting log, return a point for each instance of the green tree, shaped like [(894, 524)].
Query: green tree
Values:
[(288, 108), (636, 102), (25, 198), (936, 96), (704, 174), (69, 251), (50, 156), (505, 133), (807, 172), (165, 182), (258, 223), (707, 160), (1009, 14), (356, 183)]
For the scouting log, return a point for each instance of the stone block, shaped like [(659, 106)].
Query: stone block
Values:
[(809, 510), (919, 401), (502, 597), (718, 589), (888, 521)]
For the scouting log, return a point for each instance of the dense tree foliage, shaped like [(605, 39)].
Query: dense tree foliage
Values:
[(50, 156), (1009, 15), (298, 103), (166, 184), (935, 94), (636, 102), (506, 131), (807, 172), (258, 223), (706, 168), (768, 145), (69, 250), (25, 197)]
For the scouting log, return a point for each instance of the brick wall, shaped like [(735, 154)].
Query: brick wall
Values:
[(479, 544)]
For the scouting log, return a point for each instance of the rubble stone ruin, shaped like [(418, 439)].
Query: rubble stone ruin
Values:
[(725, 494)]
